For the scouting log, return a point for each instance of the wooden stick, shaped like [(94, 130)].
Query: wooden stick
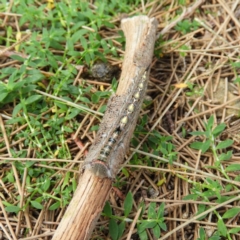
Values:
[(93, 191)]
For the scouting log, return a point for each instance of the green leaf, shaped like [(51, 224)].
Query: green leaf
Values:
[(231, 213), (206, 146), (143, 235), (18, 58), (234, 230), (113, 229), (62, 106), (16, 120), (224, 144), (152, 211), (10, 177), (66, 180), (121, 228), (233, 167), (84, 99), (7, 204), (36, 205), (52, 61), (67, 129), (73, 114), (184, 47), (196, 145), (222, 227), (142, 206), (35, 76), (55, 206), (103, 108), (32, 99), (3, 94), (236, 64), (12, 209), (210, 123), (16, 109), (218, 129), (202, 234), (197, 133), (83, 42), (201, 209), (191, 197), (107, 209), (225, 156), (146, 224), (125, 172), (203, 146), (78, 34), (94, 128), (160, 212), (163, 226), (156, 231), (29, 164), (74, 184), (46, 184), (186, 26), (237, 80), (8, 70), (215, 237), (128, 203), (95, 97)]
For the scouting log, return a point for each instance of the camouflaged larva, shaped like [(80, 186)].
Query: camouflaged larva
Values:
[(101, 164), (105, 130)]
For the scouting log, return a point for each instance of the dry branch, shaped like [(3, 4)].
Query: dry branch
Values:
[(92, 192)]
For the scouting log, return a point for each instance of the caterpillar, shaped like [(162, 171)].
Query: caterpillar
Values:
[(101, 165)]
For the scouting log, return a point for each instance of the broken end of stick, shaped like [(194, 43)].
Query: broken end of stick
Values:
[(140, 33)]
